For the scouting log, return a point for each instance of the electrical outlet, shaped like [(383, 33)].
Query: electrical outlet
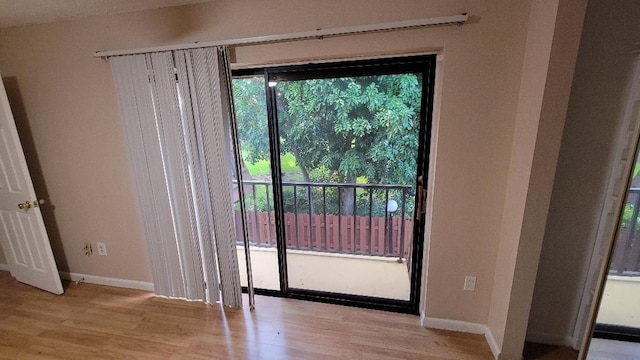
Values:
[(88, 249), (102, 249), (469, 283)]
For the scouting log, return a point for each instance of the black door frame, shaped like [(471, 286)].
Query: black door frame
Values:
[(424, 64)]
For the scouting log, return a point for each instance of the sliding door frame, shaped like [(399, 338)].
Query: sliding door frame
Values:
[(423, 64)]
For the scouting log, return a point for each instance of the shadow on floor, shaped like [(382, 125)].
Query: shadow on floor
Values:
[(534, 351)]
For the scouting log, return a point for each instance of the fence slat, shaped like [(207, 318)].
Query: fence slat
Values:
[(318, 231), (363, 234), (335, 243), (381, 236), (408, 236)]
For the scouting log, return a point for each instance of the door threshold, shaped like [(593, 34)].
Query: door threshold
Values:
[(617, 332), (359, 301)]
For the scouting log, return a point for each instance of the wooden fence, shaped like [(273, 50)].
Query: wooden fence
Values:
[(333, 233), (626, 255)]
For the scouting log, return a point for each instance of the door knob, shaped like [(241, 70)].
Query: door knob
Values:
[(29, 204)]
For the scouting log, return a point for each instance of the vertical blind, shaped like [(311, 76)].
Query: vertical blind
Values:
[(176, 111)]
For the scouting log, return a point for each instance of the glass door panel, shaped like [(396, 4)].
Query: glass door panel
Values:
[(251, 118), (349, 147), (619, 310)]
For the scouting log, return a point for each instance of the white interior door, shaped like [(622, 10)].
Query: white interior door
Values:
[(22, 233)]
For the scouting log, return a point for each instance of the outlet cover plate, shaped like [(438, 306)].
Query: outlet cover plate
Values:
[(469, 283), (102, 249)]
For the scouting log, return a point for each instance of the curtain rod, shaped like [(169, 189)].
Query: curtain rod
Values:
[(305, 35)]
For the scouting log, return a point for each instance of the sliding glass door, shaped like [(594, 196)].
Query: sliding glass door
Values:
[(348, 148), (253, 132)]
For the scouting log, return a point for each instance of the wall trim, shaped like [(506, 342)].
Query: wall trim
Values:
[(100, 280), (454, 325), (493, 344), (550, 339), (463, 326)]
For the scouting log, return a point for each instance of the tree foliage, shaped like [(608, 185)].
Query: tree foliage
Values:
[(351, 127), (354, 127), (251, 111), (339, 129)]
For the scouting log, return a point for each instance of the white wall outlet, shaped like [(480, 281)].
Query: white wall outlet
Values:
[(469, 283), (102, 249)]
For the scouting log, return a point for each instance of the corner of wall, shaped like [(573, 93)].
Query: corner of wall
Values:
[(462, 326), (551, 50), (493, 344), (550, 339)]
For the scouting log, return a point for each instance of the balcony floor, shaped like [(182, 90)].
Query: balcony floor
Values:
[(620, 305), (341, 273)]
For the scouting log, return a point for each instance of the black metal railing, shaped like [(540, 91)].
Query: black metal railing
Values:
[(364, 219), (626, 255)]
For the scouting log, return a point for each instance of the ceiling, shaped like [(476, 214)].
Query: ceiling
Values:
[(23, 12)]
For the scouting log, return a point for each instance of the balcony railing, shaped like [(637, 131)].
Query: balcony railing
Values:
[(626, 256), (332, 217)]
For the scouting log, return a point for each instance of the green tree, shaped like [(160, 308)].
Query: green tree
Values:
[(339, 129), (251, 112)]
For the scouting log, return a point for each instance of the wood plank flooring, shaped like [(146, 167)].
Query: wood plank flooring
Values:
[(101, 322)]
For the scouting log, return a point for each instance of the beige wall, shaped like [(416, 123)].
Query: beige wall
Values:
[(602, 73), (551, 51), (543, 22)]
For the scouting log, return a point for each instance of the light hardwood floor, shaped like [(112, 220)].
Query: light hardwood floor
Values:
[(101, 322)]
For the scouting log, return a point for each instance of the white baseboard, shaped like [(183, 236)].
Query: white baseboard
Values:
[(100, 280), (454, 325), (462, 326), (493, 344), (550, 339), (92, 279)]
